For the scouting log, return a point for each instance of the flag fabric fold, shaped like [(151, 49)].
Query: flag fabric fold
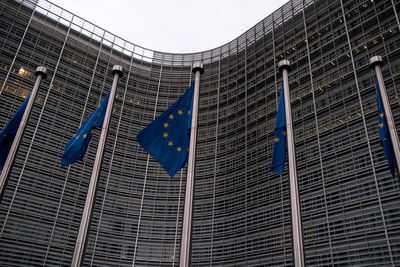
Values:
[(167, 138), (77, 145), (7, 135), (384, 136), (279, 153)]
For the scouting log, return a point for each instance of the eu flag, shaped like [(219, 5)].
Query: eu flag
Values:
[(384, 136), (7, 135), (167, 138), (279, 150), (77, 145)]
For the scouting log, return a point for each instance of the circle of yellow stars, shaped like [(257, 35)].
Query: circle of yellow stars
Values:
[(381, 124), (84, 136), (165, 133), (276, 139)]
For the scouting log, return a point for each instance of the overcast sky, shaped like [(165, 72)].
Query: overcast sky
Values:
[(174, 25)]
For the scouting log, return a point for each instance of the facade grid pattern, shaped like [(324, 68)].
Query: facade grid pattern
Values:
[(350, 203)]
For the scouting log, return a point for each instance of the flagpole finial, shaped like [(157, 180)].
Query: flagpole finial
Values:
[(41, 71), (375, 60), (118, 69), (284, 64), (198, 66)]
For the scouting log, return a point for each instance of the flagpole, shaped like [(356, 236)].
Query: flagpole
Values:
[(81, 240), (376, 63), (41, 73), (297, 233), (188, 207)]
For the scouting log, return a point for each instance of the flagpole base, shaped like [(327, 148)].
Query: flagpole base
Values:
[(375, 60), (198, 66)]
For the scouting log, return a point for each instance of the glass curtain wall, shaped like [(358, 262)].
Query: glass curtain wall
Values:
[(241, 217)]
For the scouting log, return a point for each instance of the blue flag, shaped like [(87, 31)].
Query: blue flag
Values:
[(384, 136), (279, 153), (77, 145), (7, 135), (167, 138)]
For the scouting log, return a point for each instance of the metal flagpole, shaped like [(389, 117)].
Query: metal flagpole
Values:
[(297, 233), (81, 240), (41, 73), (376, 62), (188, 208)]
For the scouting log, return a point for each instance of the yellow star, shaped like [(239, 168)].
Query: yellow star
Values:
[(188, 112), (170, 143), (384, 139), (180, 112), (284, 133), (179, 149), (171, 116), (381, 115), (84, 136), (166, 125), (276, 140), (77, 137), (381, 125), (92, 131), (165, 135), (74, 135)]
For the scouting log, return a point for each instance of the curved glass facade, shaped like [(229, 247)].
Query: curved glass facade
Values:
[(350, 203)]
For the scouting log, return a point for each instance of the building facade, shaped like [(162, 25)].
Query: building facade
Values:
[(350, 203)]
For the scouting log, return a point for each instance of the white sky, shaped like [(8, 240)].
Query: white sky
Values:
[(179, 26)]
